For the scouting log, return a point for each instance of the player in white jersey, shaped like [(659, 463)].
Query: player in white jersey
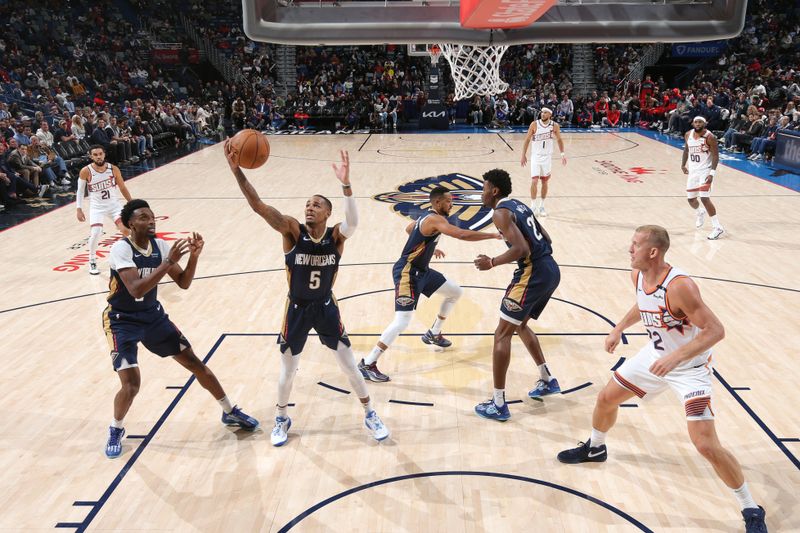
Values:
[(104, 182), (700, 158), (540, 136), (682, 331)]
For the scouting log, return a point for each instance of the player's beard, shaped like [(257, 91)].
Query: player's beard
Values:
[(700, 129)]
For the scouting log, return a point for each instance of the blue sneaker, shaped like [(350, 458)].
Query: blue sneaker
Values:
[(237, 417), (114, 444), (544, 388), (280, 433), (489, 410), (436, 340), (754, 520)]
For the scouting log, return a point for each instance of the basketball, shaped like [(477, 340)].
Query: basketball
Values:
[(252, 147)]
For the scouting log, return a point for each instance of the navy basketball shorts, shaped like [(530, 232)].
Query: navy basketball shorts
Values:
[(321, 315), (154, 329), (410, 283), (530, 290)]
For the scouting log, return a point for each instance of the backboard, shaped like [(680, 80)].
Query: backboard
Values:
[(355, 22)]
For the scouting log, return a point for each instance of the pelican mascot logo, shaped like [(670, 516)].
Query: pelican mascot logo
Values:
[(411, 199)]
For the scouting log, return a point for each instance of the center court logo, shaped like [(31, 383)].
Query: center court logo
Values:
[(411, 199), (631, 175)]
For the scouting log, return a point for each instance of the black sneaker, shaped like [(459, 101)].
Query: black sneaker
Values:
[(754, 520), (436, 340), (371, 372), (584, 453)]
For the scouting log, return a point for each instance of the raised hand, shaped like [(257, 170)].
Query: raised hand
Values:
[(196, 244), (342, 170), (178, 250), (231, 155)]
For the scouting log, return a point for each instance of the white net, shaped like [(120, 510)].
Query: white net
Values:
[(475, 69)]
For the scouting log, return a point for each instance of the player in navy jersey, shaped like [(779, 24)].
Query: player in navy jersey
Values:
[(413, 277), (312, 252), (534, 281), (134, 315)]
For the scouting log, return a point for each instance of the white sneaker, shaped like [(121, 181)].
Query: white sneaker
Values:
[(65, 181), (700, 219), (43, 190), (715, 234), (542, 212), (93, 270), (280, 433), (375, 426)]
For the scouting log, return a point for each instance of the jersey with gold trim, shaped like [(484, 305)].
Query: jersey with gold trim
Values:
[(666, 331), (311, 266), (530, 229), (419, 248), (125, 255)]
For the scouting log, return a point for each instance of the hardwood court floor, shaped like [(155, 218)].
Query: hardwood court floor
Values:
[(443, 469)]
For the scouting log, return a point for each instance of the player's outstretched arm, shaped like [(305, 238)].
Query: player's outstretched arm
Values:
[(83, 179), (503, 220), (123, 189), (685, 300), (347, 228), (285, 225), (138, 287), (437, 223)]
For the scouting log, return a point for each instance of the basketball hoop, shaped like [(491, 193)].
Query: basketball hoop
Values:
[(475, 69)]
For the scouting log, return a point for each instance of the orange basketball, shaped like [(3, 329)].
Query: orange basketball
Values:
[(252, 147)]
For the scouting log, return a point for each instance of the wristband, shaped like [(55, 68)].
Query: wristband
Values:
[(563, 154), (346, 187), (713, 171), (491, 262)]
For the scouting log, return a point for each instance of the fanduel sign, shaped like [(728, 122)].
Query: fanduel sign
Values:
[(709, 49)]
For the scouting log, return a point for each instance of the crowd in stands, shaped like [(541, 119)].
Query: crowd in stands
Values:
[(79, 73)]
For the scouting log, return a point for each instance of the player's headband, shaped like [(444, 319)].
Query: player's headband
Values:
[(547, 109), (701, 118)]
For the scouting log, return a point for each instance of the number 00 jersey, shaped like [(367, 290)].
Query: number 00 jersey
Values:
[(667, 332), (699, 154), (311, 266), (529, 227)]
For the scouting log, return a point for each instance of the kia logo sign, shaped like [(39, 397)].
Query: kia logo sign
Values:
[(433, 114)]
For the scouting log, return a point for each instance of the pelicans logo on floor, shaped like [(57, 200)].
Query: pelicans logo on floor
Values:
[(411, 199)]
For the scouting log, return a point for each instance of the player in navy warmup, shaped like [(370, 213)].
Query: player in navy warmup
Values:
[(534, 281), (135, 315), (312, 254)]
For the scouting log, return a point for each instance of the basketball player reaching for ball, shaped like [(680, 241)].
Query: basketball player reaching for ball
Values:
[(413, 277), (533, 283), (700, 159), (134, 314), (313, 251), (105, 184), (541, 132), (682, 331)]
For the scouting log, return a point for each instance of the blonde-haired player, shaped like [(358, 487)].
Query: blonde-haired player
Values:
[(104, 182), (682, 331), (700, 159), (541, 132)]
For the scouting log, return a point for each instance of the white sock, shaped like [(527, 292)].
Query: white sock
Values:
[(117, 423), (544, 372), (533, 204), (436, 328), (499, 397), (744, 497), (280, 411), (715, 222), (367, 407), (373, 356), (700, 211), (225, 403), (598, 438), (541, 203)]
